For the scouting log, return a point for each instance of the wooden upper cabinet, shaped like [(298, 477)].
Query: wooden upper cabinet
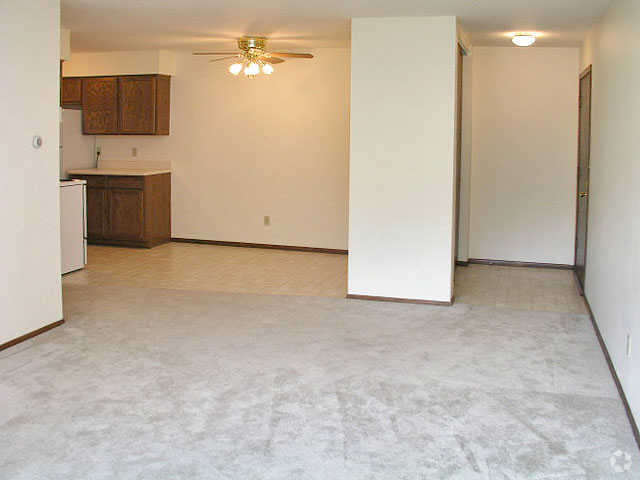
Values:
[(137, 104), (126, 105), (71, 92), (163, 104), (100, 105)]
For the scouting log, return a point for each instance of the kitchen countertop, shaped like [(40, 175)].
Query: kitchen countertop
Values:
[(141, 172), (67, 183)]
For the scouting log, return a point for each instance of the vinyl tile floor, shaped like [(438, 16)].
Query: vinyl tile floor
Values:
[(541, 289), (184, 266)]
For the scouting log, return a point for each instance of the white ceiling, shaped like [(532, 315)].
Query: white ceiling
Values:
[(102, 25)]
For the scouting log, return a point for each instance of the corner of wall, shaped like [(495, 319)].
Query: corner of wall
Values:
[(586, 51), (65, 43), (166, 62), (464, 40)]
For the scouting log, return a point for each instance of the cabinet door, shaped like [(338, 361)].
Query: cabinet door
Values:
[(126, 217), (137, 104), (71, 92), (163, 104), (96, 213), (100, 105)]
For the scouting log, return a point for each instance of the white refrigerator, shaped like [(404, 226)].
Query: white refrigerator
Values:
[(73, 224), (76, 151)]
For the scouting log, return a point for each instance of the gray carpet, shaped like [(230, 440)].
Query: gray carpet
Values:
[(157, 384)]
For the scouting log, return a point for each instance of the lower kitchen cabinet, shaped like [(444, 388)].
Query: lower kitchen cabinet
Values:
[(97, 198), (128, 210), (126, 214)]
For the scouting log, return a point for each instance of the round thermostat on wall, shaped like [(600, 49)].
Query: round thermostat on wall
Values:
[(37, 141)]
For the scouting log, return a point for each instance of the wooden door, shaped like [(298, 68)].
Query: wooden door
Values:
[(71, 92), (137, 104), (584, 154), (100, 105), (97, 222), (126, 214)]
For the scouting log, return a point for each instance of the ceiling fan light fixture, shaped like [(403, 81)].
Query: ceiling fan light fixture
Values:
[(253, 58), (524, 39), (252, 69), (235, 69)]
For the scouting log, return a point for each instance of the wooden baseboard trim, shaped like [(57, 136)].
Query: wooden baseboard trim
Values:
[(128, 243), (373, 298), (29, 335), (614, 374), (333, 251), (507, 263)]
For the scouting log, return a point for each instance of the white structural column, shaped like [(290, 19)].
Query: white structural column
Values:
[(30, 285), (402, 157)]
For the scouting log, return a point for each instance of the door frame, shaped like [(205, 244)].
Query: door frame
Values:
[(460, 54), (585, 72)]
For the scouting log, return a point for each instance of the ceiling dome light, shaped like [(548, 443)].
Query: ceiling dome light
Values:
[(252, 69), (235, 69), (267, 69), (524, 40)]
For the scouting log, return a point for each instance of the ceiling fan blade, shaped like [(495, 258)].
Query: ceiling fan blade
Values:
[(223, 58), (292, 55), (215, 53), (273, 60)]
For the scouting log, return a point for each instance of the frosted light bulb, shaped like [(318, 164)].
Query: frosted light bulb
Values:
[(267, 69), (235, 69), (252, 69)]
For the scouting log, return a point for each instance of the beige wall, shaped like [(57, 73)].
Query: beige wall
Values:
[(119, 63), (65, 44), (613, 249), (243, 149), (586, 52), (30, 287), (403, 98), (78, 151), (523, 173)]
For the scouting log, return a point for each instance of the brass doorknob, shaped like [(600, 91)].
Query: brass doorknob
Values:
[(584, 194)]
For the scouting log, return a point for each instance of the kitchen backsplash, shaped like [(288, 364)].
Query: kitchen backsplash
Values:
[(134, 164), (134, 151)]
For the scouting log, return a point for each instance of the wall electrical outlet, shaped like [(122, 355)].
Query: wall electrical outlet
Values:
[(267, 220), (628, 345)]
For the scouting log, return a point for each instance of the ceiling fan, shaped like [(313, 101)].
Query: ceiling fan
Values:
[(253, 57)]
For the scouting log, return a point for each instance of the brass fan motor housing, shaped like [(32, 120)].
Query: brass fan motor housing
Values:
[(247, 43)]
